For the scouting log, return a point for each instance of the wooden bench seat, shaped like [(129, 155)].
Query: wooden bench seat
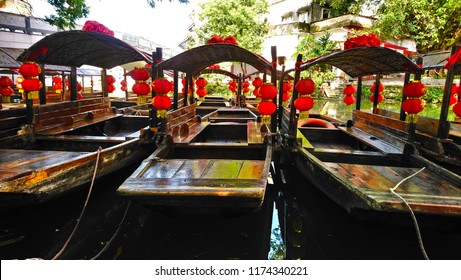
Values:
[(59, 118), (371, 140)]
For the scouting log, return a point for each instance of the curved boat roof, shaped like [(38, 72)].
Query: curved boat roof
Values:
[(364, 61), (77, 47), (197, 59)]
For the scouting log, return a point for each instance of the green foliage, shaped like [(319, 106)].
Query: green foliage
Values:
[(433, 24), (67, 12), (239, 18), (310, 48)]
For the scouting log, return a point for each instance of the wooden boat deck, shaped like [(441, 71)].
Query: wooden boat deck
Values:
[(18, 163), (205, 168), (425, 192)]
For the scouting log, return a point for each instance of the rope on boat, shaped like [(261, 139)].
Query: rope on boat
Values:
[(418, 233), (115, 234), (83, 209)]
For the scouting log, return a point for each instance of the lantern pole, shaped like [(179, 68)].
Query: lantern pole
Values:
[(404, 97), (126, 90), (281, 61), (274, 82), (359, 94), (157, 58), (190, 81), (175, 89), (239, 91), (42, 91), (73, 84), (376, 94), (103, 82), (294, 96), (444, 124)]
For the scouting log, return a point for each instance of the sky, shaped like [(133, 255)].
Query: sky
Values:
[(166, 24)]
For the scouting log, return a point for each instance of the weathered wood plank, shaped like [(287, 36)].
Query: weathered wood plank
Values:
[(222, 169), (251, 169)]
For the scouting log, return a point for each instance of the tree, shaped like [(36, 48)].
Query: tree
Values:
[(239, 18), (69, 11), (310, 48), (433, 24)]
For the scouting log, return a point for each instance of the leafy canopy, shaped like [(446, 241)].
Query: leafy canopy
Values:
[(242, 19)]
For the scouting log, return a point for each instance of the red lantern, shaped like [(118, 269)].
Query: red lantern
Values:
[(414, 89), (110, 88), (285, 96), (29, 69), (31, 84), (349, 99), (305, 86), (413, 105), (57, 87), (454, 90), (139, 74), (201, 82), (140, 88), (267, 91), (266, 109), (349, 91), (6, 81), (257, 82), (202, 92), (304, 102), (6, 91), (162, 103), (380, 89), (110, 79), (256, 92), (161, 86), (56, 79)]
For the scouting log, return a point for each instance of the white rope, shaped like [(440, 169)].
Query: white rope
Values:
[(418, 233), (83, 209)]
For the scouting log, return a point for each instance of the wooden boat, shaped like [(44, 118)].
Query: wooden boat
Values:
[(48, 150), (220, 160), (358, 164)]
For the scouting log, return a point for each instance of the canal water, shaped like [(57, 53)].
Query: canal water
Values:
[(296, 222)]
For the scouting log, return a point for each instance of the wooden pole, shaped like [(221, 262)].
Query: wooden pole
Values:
[(281, 62), (376, 94), (175, 89), (73, 85), (42, 92), (274, 82), (293, 119), (359, 94), (444, 124)]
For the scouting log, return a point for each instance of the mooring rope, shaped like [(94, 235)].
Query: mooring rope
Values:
[(115, 234), (83, 209), (418, 233)]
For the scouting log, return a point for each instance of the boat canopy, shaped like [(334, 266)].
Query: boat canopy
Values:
[(364, 61), (195, 60), (77, 47)]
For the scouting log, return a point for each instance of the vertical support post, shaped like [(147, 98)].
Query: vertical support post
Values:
[(103, 83), (281, 62), (175, 90), (402, 112), (274, 82), (359, 94), (42, 92), (444, 124), (376, 94), (293, 119), (73, 85), (154, 122)]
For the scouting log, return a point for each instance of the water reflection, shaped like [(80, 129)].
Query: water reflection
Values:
[(337, 109)]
